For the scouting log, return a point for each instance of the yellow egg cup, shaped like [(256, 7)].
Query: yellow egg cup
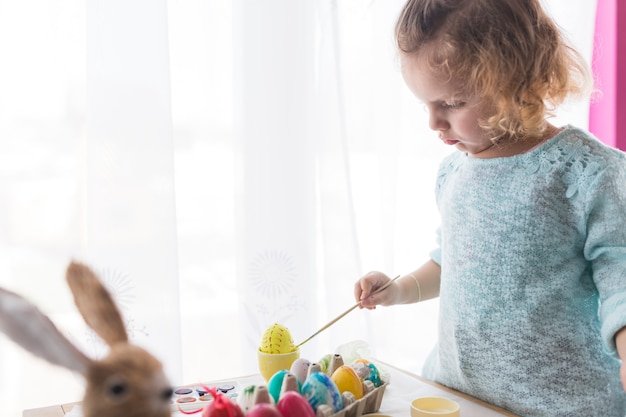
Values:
[(434, 406), (270, 363)]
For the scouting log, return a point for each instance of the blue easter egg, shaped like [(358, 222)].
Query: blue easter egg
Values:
[(319, 389), (374, 375)]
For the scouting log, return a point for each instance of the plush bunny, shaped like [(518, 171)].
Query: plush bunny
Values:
[(128, 382)]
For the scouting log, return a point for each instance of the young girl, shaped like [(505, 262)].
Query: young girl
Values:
[(531, 263)]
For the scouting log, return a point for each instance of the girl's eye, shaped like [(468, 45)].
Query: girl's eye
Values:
[(452, 106)]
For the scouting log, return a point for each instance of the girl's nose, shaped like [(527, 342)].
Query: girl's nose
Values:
[(437, 122)]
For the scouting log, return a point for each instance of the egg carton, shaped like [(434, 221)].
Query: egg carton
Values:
[(369, 403)]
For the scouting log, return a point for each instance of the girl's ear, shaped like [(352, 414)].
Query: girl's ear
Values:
[(27, 326), (96, 304)]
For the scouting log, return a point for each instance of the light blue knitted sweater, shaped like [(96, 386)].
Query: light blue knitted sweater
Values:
[(533, 286)]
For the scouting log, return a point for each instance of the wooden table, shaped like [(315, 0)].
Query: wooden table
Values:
[(402, 389)]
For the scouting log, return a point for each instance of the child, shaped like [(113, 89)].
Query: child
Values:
[(531, 263)]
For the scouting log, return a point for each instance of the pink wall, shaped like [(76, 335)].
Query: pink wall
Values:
[(607, 115)]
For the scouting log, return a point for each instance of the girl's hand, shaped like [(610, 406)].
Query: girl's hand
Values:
[(365, 287)]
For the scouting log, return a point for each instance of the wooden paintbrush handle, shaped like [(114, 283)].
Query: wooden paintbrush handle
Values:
[(333, 321)]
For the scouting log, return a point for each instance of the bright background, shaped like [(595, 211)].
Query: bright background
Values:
[(223, 166)]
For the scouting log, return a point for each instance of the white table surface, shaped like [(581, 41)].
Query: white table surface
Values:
[(403, 388)]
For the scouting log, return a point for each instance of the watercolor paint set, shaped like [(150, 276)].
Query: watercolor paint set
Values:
[(196, 396)]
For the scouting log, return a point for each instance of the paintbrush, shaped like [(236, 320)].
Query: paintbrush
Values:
[(333, 321)]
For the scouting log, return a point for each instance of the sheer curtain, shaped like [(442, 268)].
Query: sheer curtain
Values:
[(87, 174), (223, 166)]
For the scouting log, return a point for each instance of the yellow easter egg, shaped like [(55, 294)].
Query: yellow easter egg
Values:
[(346, 379), (277, 339)]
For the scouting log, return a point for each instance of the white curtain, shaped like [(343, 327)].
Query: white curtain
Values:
[(224, 166)]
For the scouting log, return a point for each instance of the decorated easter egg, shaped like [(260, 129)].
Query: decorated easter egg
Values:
[(325, 362), (374, 375), (347, 380), (245, 399), (263, 410), (292, 404), (319, 389), (300, 368), (277, 339), (275, 384)]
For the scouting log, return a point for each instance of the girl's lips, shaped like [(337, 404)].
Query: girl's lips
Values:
[(447, 141)]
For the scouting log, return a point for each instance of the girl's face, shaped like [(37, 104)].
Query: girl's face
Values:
[(454, 117)]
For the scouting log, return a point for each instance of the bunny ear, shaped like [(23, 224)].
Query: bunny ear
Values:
[(96, 304), (27, 326)]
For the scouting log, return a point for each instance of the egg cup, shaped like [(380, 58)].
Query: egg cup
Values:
[(434, 406), (270, 363)]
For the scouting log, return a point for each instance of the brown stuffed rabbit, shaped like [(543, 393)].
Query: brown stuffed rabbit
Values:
[(128, 382)]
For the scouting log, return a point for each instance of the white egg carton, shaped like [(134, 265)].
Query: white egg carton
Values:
[(370, 403)]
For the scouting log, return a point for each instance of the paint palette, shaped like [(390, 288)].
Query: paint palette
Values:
[(195, 396)]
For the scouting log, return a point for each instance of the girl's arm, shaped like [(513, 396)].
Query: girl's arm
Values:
[(620, 343), (422, 284)]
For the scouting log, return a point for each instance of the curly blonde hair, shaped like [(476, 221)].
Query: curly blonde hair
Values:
[(508, 53)]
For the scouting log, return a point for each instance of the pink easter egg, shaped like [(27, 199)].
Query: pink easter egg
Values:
[(292, 404), (263, 410)]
